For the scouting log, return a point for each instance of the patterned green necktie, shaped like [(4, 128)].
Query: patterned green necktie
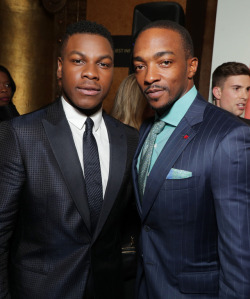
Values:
[(146, 154)]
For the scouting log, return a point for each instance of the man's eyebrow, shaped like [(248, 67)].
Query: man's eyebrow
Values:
[(162, 53), (106, 57), (156, 55), (236, 85), (101, 57), (138, 58), (76, 52)]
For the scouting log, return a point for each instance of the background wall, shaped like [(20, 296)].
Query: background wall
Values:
[(31, 32), (117, 16), (232, 34), (27, 50)]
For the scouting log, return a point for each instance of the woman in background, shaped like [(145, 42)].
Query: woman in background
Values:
[(7, 90), (130, 105)]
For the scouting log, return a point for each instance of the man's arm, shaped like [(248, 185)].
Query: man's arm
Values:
[(231, 188), (11, 179)]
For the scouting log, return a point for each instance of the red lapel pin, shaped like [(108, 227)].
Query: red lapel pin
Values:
[(185, 137)]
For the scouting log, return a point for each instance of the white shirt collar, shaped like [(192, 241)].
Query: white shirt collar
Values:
[(77, 118)]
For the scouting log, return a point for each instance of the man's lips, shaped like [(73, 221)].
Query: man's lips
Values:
[(89, 90), (154, 91), (241, 106)]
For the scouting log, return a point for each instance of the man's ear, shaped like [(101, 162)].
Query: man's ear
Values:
[(193, 65), (217, 95), (59, 68), (217, 92)]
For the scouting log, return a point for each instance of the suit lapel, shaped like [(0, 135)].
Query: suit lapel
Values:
[(118, 160), (62, 144), (181, 137)]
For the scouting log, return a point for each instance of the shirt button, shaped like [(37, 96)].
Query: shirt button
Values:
[(147, 228)]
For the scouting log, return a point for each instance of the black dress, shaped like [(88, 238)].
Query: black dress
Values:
[(8, 112)]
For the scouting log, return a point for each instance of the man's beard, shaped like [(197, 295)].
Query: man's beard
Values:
[(164, 109), (167, 106)]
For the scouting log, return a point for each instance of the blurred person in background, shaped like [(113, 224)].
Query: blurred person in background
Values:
[(130, 105), (7, 90), (230, 87)]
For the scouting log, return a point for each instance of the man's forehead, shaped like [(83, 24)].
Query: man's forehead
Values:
[(157, 38), (158, 30), (87, 41), (85, 35), (238, 80)]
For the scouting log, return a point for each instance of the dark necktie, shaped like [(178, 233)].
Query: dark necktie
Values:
[(92, 172), (146, 155)]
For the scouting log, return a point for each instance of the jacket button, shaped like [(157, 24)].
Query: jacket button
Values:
[(147, 228)]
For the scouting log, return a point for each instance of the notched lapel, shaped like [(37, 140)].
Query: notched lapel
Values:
[(62, 144), (181, 137)]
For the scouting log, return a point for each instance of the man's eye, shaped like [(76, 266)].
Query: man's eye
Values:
[(77, 61), (104, 65), (138, 67), (7, 85), (166, 63)]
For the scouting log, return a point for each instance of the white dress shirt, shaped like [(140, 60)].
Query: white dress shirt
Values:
[(76, 122)]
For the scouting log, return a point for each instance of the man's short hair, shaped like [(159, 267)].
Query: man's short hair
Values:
[(87, 27), (227, 69), (184, 34)]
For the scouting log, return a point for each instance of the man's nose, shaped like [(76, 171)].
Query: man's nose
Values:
[(245, 94), (152, 75), (90, 71)]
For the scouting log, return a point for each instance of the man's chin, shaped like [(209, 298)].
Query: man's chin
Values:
[(87, 107), (89, 110), (162, 109)]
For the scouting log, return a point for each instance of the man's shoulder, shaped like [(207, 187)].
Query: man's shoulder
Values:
[(35, 117), (216, 114), (225, 116), (245, 120)]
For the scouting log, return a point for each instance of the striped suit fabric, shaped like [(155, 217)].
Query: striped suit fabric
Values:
[(195, 237)]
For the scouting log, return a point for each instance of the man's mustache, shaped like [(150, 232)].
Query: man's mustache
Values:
[(155, 86)]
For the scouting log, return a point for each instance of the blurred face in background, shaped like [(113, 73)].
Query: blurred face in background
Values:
[(233, 94), (5, 90)]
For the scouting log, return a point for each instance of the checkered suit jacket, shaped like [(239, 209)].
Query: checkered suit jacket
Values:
[(46, 249)]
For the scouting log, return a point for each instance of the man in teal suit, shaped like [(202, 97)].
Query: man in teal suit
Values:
[(191, 179)]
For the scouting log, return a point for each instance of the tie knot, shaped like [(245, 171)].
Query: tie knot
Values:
[(89, 124), (158, 127)]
